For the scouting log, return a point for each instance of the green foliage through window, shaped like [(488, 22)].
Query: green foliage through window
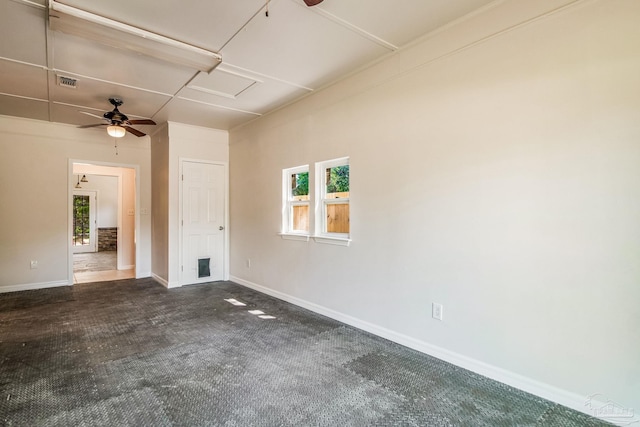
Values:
[(300, 184), (81, 221), (338, 179)]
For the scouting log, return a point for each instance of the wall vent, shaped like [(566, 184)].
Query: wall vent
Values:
[(67, 82)]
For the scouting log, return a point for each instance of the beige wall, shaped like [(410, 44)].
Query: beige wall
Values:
[(35, 179), (495, 170), (160, 205), (175, 143)]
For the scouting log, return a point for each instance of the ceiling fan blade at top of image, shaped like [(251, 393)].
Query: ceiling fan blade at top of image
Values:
[(142, 122), (136, 132)]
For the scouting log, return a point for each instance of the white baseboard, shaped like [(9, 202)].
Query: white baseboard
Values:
[(163, 282), (160, 280), (537, 388), (33, 286), (127, 267)]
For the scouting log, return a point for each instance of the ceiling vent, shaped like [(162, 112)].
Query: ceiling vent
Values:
[(67, 82)]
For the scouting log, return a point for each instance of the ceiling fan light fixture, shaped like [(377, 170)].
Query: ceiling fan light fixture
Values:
[(312, 2), (116, 131)]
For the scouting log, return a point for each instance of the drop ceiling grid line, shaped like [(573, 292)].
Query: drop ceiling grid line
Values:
[(175, 95), (49, 60), (245, 89), (215, 92), (31, 3), (29, 98), (223, 94), (265, 76), (234, 73), (354, 28), (84, 107), (16, 61), (243, 26), (219, 106), (57, 70)]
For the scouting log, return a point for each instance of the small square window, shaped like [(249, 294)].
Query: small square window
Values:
[(333, 184), (296, 200)]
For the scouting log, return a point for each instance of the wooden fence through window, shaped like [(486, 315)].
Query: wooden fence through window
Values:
[(337, 215)]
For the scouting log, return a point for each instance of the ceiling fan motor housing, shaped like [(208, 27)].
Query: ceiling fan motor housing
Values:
[(118, 120)]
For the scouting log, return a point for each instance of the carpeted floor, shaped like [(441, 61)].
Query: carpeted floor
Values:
[(132, 353)]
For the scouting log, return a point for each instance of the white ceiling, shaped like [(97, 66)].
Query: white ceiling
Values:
[(266, 61)]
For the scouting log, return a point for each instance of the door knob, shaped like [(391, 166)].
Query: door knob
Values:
[(221, 228)]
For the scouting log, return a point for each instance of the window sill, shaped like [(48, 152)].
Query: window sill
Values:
[(292, 236), (331, 240)]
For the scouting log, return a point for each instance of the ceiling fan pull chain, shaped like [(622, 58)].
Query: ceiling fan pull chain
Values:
[(266, 13)]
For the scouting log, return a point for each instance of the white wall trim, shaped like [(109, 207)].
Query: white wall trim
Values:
[(143, 275), (160, 280), (546, 391), (34, 286), (165, 283)]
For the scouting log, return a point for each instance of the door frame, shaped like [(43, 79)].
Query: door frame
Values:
[(225, 250), (71, 188), (93, 220)]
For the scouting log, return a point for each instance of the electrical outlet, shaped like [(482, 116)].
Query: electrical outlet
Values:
[(436, 311), (248, 263), (34, 264)]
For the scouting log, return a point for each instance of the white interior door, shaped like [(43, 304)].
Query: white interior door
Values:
[(84, 221), (203, 222)]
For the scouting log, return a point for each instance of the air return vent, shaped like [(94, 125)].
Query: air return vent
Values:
[(67, 82)]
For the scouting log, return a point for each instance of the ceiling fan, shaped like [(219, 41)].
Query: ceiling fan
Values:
[(117, 123), (312, 2)]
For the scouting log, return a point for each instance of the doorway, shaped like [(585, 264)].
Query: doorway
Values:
[(84, 221), (203, 220), (103, 223)]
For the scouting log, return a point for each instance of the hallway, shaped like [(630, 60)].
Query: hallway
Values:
[(98, 267)]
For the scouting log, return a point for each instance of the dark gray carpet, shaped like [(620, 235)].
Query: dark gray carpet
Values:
[(132, 353)]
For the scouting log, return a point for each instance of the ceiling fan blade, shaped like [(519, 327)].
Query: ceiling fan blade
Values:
[(312, 2), (136, 132), (142, 122), (92, 115), (92, 126)]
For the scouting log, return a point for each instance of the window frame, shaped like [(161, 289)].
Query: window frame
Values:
[(288, 204), (321, 203)]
